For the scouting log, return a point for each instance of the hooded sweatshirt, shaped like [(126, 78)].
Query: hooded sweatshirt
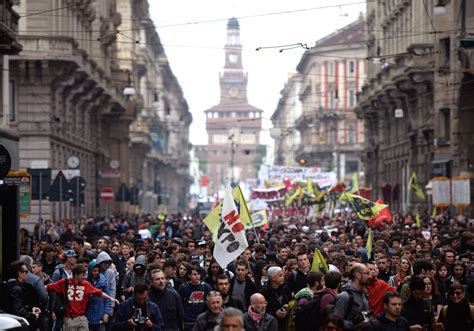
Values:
[(352, 312), (97, 307), (108, 273), (133, 278)]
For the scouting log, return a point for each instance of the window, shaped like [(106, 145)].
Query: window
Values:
[(232, 58), (351, 67), (446, 125), (445, 55), (351, 99), (351, 134), (352, 166), (12, 102), (331, 68)]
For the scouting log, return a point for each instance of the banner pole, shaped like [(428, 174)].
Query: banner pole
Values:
[(250, 216)]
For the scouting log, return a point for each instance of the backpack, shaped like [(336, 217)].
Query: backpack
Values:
[(311, 316)]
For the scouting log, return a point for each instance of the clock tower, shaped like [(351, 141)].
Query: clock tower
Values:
[(233, 126), (233, 81)]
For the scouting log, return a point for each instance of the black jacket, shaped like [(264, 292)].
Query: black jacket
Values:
[(171, 307), (250, 288), (18, 299), (382, 323), (276, 298), (269, 323), (297, 281)]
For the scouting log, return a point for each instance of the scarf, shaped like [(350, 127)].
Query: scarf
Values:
[(254, 315)]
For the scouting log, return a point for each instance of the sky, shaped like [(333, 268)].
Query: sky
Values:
[(195, 48)]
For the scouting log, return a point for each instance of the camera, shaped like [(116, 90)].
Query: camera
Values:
[(138, 317)]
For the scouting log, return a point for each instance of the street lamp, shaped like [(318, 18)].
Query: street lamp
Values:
[(129, 90)]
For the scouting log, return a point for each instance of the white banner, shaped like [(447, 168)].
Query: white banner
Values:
[(231, 240), (280, 173)]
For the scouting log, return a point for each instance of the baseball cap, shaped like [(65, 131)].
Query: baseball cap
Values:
[(70, 253)]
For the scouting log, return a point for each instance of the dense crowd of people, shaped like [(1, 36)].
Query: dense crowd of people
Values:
[(142, 273)]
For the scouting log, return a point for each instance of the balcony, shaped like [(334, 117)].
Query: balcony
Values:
[(8, 29)]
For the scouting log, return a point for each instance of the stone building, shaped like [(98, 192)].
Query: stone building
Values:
[(9, 45), (332, 73), (412, 103), (233, 126), (160, 147), (79, 87), (287, 137)]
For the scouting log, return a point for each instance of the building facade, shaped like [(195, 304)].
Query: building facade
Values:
[(9, 45), (233, 126), (332, 73), (84, 89), (413, 100), (287, 137)]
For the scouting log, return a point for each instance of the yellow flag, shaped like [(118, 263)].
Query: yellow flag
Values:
[(418, 219), (435, 212), (259, 219), (413, 185), (213, 220), (354, 184), (319, 262), (368, 246), (364, 208), (292, 197), (309, 186), (318, 194)]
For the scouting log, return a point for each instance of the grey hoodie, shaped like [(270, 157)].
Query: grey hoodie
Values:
[(360, 303), (132, 278), (108, 273)]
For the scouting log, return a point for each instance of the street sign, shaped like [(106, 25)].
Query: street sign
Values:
[(22, 179), (5, 162), (461, 192), (68, 173), (122, 194), (441, 192), (107, 194), (59, 190), (42, 176)]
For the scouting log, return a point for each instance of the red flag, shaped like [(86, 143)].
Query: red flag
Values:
[(287, 183), (383, 216)]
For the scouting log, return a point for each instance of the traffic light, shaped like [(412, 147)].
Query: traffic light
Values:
[(134, 195), (77, 187)]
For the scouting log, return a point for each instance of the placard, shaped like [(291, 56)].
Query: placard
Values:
[(461, 192), (441, 192)]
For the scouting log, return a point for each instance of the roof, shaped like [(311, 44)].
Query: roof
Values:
[(233, 107), (233, 23), (350, 34)]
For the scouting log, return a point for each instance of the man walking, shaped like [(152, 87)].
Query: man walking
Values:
[(168, 300), (77, 291)]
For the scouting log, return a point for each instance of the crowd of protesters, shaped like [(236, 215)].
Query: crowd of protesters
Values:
[(141, 273)]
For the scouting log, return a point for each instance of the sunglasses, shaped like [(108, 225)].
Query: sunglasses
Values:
[(458, 293)]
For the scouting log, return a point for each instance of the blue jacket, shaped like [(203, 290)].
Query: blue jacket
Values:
[(97, 307), (125, 311)]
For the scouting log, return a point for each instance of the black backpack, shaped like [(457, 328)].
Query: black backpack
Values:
[(311, 316)]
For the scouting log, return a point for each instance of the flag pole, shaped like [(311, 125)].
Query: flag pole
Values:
[(250, 215)]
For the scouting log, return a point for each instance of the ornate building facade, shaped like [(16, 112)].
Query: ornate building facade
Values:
[(411, 122), (82, 88), (9, 45), (233, 126), (287, 137), (332, 74)]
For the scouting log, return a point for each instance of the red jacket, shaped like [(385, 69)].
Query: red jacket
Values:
[(376, 292), (77, 295)]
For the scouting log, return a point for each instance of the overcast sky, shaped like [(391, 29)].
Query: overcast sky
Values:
[(196, 55)]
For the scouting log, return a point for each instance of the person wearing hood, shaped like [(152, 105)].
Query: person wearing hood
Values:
[(98, 310), (355, 313), (105, 261), (138, 275)]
